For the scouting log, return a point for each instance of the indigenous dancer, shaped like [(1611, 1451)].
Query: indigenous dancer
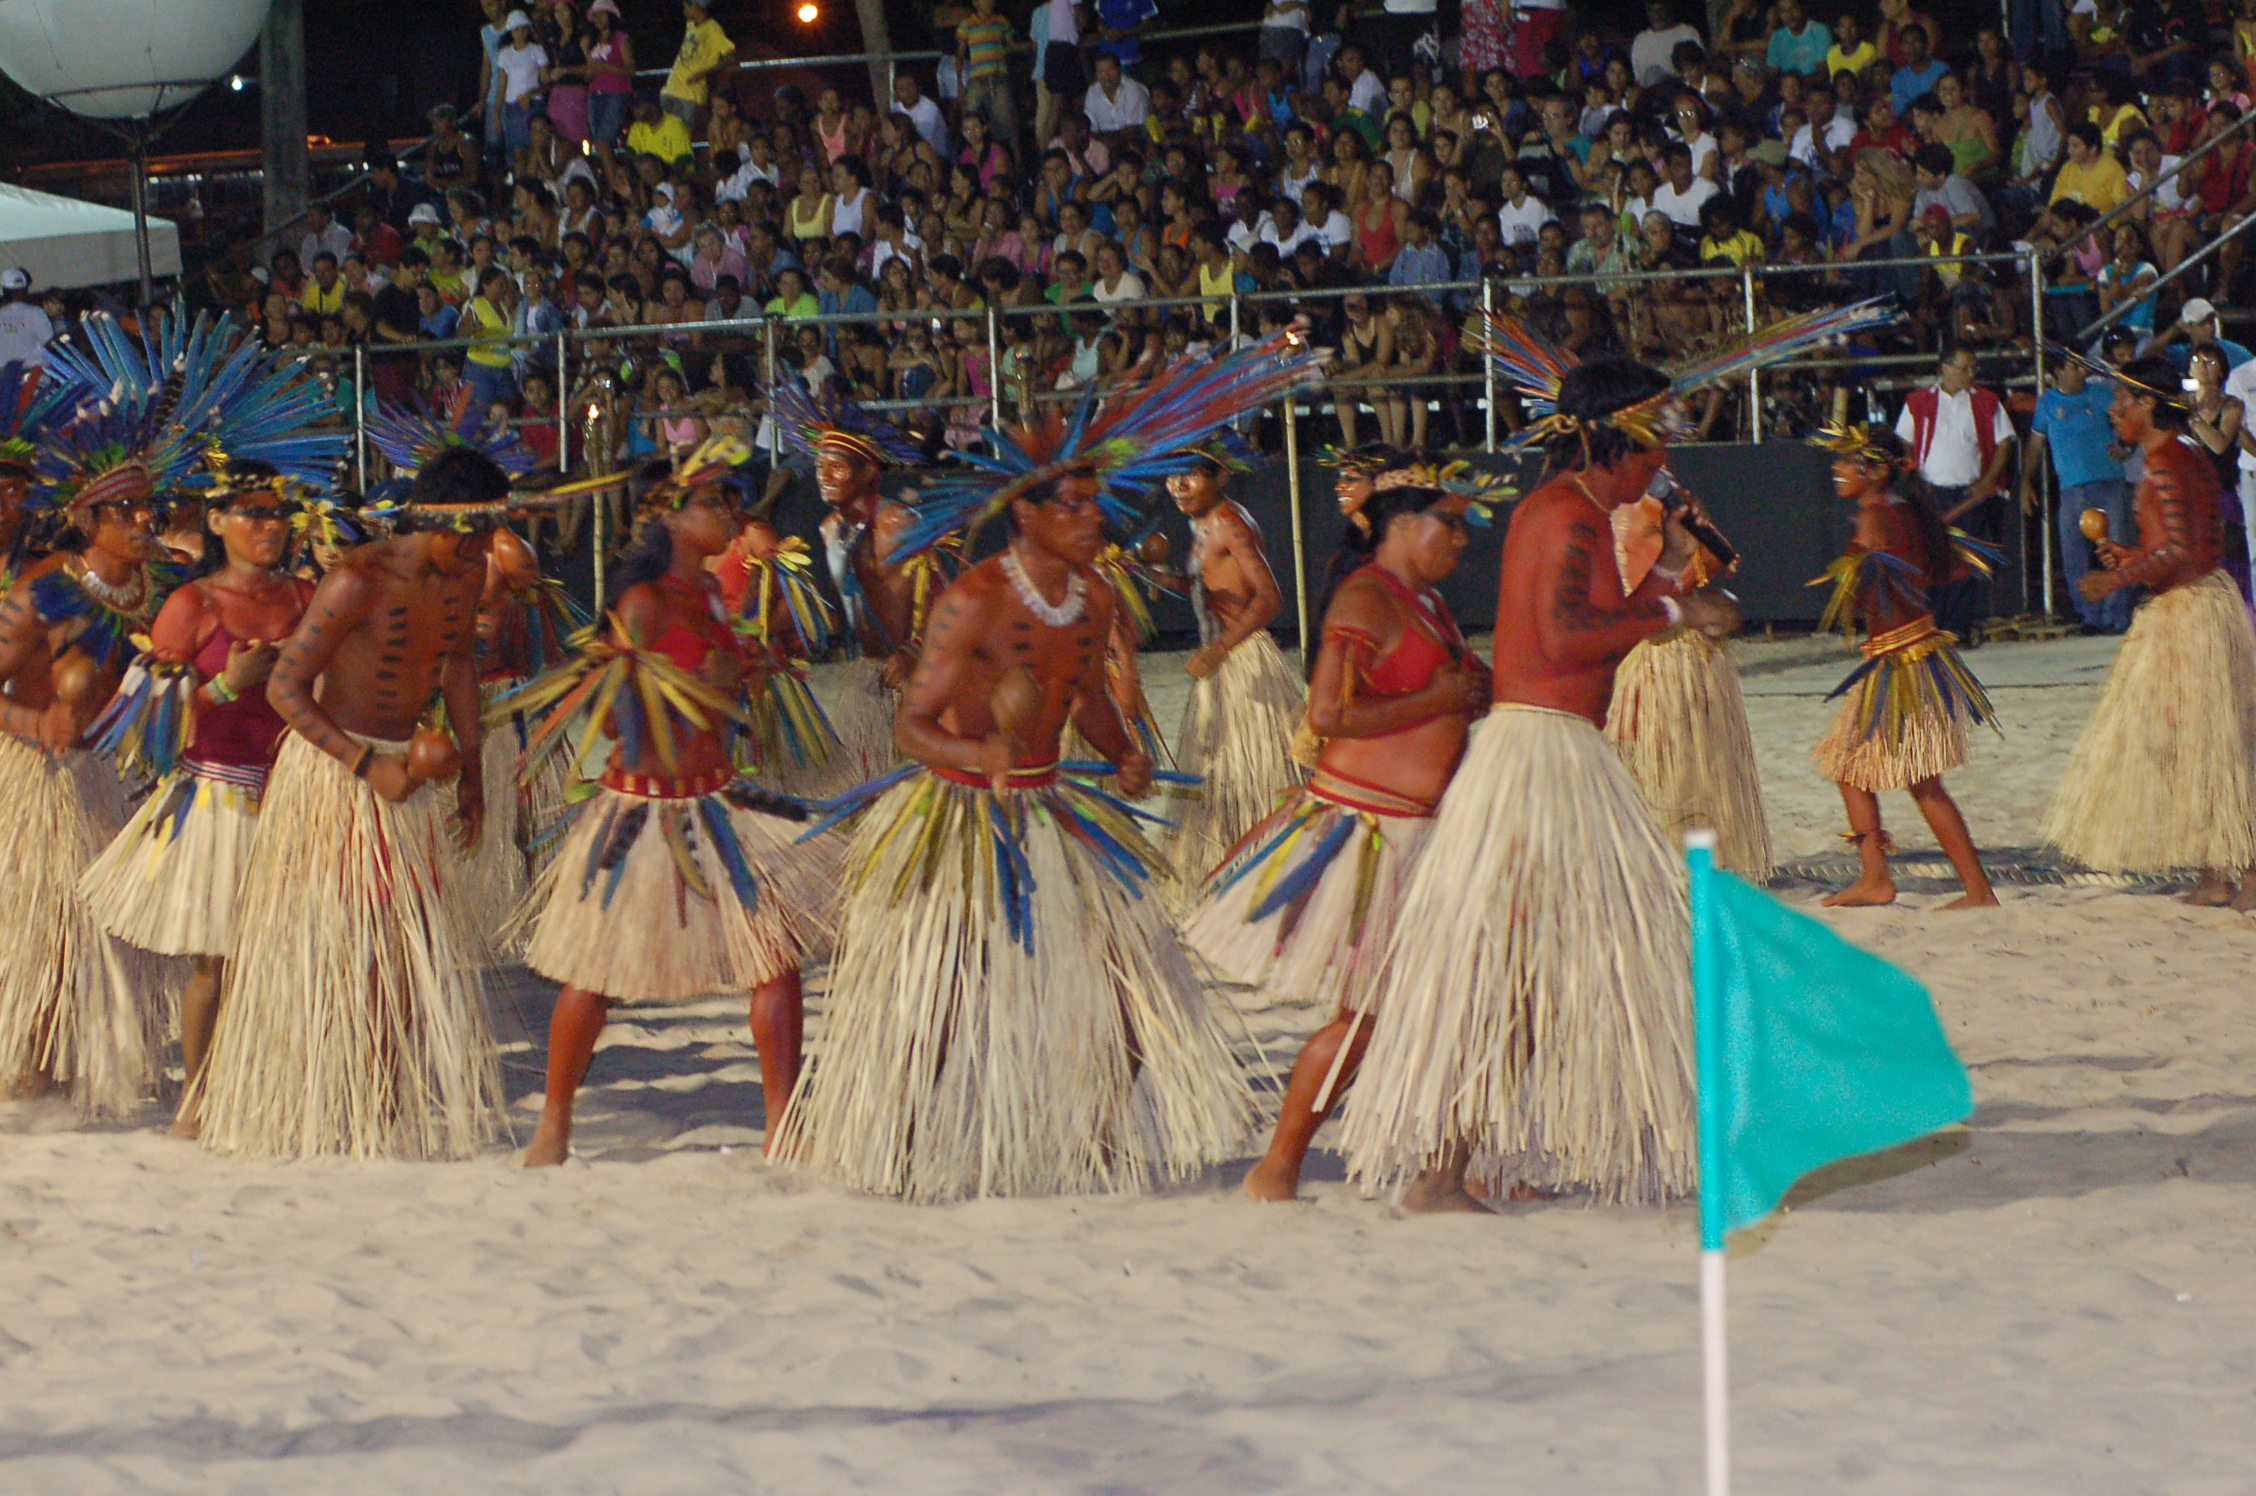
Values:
[(351, 1019), (1009, 1013), (2164, 777), (678, 878), (1128, 571), (1678, 719), (1357, 469), (193, 709), (1535, 1005), (77, 1008), (885, 591), (1246, 700), (1305, 903), (1904, 723), (768, 581)]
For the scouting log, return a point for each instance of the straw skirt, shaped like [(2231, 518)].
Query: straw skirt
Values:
[(1537, 999), (2164, 776), (1009, 1013), (75, 1004), (169, 882), (1237, 736), (1304, 907), (352, 1020), (1905, 712), (862, 709), (490, 882), (1680, 725), (656, 899)]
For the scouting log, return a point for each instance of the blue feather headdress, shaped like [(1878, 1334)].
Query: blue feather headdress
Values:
[(29, 400), (838, 424), (411, 438), (1137, 438), (165, 411)]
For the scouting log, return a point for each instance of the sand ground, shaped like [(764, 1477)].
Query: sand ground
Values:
[(2059, 1298)]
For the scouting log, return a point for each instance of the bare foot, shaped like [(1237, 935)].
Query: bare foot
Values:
[(2214, 891), (2245, 900), (1864, 894), (1524, 1193), (1434, 1193), (187, 1126), (550, 1146), (1983, 900), (1271, 1181)]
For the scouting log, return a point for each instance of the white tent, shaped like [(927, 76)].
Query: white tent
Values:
[(65, 242)]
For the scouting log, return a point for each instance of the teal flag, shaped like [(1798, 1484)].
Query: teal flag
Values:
[(1810, 1050)]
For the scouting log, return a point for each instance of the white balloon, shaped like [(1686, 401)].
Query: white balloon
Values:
[(124, 59)]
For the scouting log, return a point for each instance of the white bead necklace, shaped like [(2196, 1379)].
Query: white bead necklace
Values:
[(1056, 615)]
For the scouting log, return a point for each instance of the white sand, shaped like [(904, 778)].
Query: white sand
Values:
[(2057, 1300)]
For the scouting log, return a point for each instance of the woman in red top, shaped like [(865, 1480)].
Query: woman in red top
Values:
[(1305, 902), (195, 708), (676, 880)]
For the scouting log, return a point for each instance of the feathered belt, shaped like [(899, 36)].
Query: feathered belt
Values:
[(665, 787), (1354, 794), (1909, 672), (1022, 776)]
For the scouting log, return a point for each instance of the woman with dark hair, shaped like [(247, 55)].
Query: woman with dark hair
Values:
[(675, 880), (168, 882), (1534, 1007), (1904, 723), (1305, 903)]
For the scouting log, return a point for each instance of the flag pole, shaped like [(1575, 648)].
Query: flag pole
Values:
[(1715, 1369)]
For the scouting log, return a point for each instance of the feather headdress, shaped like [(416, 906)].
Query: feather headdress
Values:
[(1136, 438), (837, 424), (153, 412), (1856, 441), (411, 438), (29, 400), (1536, 369)]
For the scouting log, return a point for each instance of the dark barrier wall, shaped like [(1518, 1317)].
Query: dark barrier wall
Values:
[(1775, 501)]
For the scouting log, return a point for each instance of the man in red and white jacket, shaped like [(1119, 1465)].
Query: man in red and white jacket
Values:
[(1962, 438)]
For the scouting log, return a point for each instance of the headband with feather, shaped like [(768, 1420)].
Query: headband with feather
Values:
[(837, 424)]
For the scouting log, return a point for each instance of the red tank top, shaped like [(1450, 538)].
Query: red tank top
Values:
[(245, 732), (1411, 664)]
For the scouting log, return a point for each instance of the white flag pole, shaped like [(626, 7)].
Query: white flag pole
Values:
[(1715, 1372), (1715, 1366)]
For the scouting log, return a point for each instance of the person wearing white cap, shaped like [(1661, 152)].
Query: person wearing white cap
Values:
[(2198, 327), (24, 328), (520, 60)]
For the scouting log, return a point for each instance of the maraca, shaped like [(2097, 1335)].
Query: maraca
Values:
[(1153, 548), (2093, 522), (1016, 699), (75, 678), (431, 755)]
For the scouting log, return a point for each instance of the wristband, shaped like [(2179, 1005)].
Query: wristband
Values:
[(221, 692), (1674, 610)]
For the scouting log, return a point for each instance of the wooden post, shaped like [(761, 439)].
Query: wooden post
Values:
[(282, 113), (877, 41)]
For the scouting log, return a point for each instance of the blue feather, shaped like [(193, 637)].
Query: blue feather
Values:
[(731, 853), (1303, 878)]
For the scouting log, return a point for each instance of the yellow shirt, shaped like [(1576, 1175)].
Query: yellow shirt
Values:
[(1838, 62), (482, 319), (2101, 186), (2128, 120), (1218, 283), (668, 139), (703, 45), (318, 301)]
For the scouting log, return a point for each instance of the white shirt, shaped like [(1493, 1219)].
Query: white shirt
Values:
[(1701, 146), (25, 333), (1954, 452), (929, 122), (1410, 7), (2241, 385), (1683, 208), (1125, 110), (1131, 288), (1649, 53), (1303, 232), (1339, 233), (911, 247), (1368, 94), (336, 239), (739, 184), (1839, 131), (520, 70), (1062, 25), (2170, 196), (1519, 225), (1286, 15)]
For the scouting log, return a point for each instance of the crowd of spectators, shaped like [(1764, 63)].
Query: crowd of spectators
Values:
[(1068, 163)]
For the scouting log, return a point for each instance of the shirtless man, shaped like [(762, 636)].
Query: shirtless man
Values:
[(1060, 987), (67, 990), (1544, 934), (1246, 699), (2113, 810), (349, 905)]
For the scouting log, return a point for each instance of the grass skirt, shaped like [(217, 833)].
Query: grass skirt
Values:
[(1537, 1000), (74, 1003), (2164, 776), (1680, 724), (1305, 905), (168, 883), (1907, 711), (655, 900), (795, 749), (491, 881), (991, 1002), (862, 709), (1237, 734), (351, 1021)]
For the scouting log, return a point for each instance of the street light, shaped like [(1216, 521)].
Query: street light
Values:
[(809, 13)]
